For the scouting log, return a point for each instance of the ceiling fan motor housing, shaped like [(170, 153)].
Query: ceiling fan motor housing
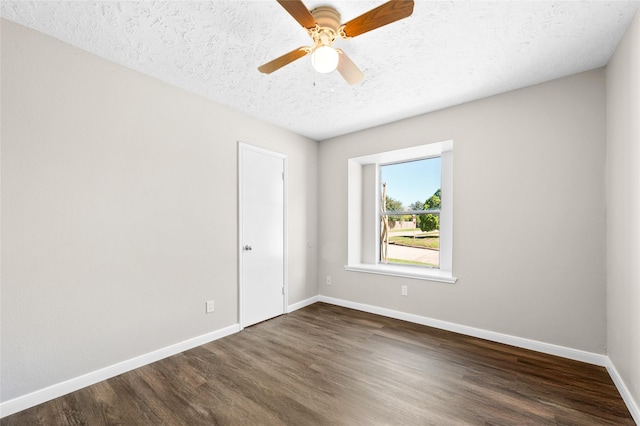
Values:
[(327, 17), (328, 24)]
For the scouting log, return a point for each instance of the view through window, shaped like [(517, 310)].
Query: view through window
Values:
[(410, 213)]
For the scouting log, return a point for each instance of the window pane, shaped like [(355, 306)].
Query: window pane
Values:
[(410, 239)]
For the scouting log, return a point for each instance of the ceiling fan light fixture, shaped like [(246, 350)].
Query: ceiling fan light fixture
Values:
[(325, 59)]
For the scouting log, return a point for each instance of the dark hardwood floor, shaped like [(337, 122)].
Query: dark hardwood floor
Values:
[(327, 365)]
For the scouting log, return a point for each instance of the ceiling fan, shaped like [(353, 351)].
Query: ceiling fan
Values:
[(323, 26)]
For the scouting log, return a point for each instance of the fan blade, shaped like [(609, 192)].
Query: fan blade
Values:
[(299, 11), (283, 60), (348, 69), (387, 13)]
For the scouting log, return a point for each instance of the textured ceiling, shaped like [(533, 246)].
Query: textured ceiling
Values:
[(446, 53)]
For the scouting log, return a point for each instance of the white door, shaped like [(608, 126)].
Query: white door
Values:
[(262, 236)]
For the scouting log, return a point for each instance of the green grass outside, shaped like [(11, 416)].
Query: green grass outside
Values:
[(420, 241)]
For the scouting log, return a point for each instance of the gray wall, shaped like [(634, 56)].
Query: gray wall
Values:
[(623, 214), (529, 214), (119, 212)]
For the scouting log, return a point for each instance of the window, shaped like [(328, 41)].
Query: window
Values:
[(410, 213), (373, 228)]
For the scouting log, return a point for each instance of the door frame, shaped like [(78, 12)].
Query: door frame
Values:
[(285, 297)]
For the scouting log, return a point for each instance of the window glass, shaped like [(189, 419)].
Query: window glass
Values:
[(410, 213)]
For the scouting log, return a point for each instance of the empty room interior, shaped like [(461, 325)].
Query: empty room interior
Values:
[(198, 227)]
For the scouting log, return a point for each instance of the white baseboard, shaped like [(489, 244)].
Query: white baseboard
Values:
[(302, 304), (59, 389), (520, 342), (632, 405)]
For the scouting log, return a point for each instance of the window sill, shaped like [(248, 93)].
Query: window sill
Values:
[(405, 272)]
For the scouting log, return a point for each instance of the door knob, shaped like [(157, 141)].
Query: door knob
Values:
[(247, 248)]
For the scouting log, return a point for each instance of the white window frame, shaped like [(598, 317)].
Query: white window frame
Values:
[(363, 224)]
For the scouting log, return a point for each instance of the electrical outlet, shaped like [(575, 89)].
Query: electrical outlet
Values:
[(210, 306), (328, 279), (405, 290)]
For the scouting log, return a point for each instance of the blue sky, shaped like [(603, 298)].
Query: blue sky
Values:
[(412, 181)]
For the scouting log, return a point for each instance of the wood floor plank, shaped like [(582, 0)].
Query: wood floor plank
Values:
[(328, 365)]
